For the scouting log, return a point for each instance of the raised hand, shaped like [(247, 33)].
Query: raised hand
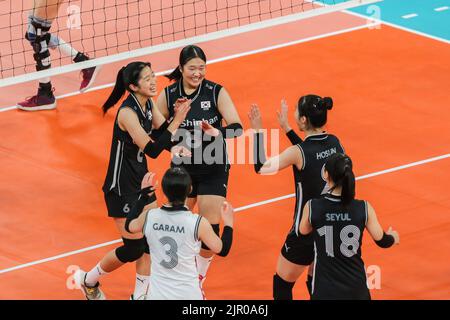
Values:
[(394, 234), (227, 212), (255, 117), (282, 116), (149, 181)]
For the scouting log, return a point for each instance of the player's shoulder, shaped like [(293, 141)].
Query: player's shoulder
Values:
[(210, 85), (173, 87), (130, 103)]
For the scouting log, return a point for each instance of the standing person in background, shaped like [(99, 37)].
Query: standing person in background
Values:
[(40, 20)]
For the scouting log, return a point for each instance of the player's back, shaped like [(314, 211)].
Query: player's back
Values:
[(172, 235), (338, 231)]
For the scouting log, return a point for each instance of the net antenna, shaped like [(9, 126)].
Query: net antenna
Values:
[(116, 30)]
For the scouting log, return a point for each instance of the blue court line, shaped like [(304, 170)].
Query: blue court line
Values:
[(423, 15)]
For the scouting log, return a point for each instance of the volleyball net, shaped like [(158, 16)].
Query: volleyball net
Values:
[(114, 30)]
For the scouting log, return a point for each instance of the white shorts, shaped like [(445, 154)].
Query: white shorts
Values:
[(162, 289)]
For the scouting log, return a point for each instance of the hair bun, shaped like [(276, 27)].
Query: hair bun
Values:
[(328, 103)]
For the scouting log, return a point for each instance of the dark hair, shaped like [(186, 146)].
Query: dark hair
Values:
[(340, 170), (130, 74), (315, 108), (187, 53), (176, 185)]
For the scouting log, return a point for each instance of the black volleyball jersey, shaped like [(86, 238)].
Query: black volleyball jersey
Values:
[(127, 163), (337, 234), (309, 181), (208, 153)]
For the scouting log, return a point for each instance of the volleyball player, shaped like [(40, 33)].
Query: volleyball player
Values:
[(337, 222), (174, 236), (133, 138), (204, 136), (307, 159), (40, 20)]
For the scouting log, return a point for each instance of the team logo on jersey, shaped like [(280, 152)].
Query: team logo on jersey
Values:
[(205, 105)]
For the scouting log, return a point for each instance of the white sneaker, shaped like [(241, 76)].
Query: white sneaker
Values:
[(91, 293)]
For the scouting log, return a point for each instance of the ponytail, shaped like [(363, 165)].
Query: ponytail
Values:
[(175, 75), (340, 170), (117, 93), (348, 186), (126, 76)]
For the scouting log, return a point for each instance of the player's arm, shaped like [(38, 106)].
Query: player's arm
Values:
[(229, 113), (161, 104), (282, 117), (290, 156), (158, 118), (381, 238), (221, 246), (129, 122), (138, 214), (305, 227)]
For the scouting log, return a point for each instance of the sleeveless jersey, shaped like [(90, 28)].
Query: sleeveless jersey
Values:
[(337, 232), (309, 181), (127, 163), (208, 153), (172, 236)]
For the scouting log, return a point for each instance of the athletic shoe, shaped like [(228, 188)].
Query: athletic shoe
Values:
[(38, 102), (91, 293)]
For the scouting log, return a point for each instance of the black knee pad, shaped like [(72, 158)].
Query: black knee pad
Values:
[(282, 290), (39, 37), (216, 228), (131, 250)]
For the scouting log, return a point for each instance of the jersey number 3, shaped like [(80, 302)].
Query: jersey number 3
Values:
[(171, 253), (349, 245)]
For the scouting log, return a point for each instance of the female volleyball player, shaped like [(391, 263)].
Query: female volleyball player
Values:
[(337, 222), (133, 138), (38, 34), (174, 236), (307, 159), (209, 165)]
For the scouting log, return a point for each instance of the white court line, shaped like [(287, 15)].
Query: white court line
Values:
[(409, 16), (230, 57), (441, 9), (393, 25), (257, 204)]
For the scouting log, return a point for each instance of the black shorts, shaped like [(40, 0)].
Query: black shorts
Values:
[(298, 249), (214, 183), (120, 206)]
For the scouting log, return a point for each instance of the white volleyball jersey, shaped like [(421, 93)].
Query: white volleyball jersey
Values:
[(172, 236)]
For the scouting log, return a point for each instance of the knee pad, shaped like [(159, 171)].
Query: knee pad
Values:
[(131, 250), (282, 290), (39, 37), (216, 228)]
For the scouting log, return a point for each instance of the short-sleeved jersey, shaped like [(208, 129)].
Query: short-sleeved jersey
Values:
[(209, 154), (337, 233), (172, 236), (127, 163), (309, 181)]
